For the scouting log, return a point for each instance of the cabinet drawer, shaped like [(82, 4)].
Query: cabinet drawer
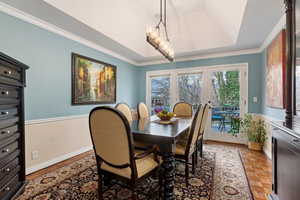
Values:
[(8, 190), (9, 95), (8, 149), (6, 113), (9, 72), (8, 122), (7, 132), (9, 140), (8, 92), (9, 158), (9, 175), (4, 171)]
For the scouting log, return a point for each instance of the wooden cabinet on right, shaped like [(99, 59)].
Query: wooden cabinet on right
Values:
[(286, 163)]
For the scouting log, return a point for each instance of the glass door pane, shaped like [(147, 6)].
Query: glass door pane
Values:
[(190, 88), (225, 98), (160, 92)]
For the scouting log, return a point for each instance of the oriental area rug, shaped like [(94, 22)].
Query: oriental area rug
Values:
[(220, 175)]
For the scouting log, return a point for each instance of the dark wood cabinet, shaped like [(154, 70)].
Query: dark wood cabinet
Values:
[(12, 135), (286, 162)]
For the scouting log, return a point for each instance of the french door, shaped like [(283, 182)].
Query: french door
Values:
[(225, 87)]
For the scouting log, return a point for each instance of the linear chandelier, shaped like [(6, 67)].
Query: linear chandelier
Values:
[(156, 38)]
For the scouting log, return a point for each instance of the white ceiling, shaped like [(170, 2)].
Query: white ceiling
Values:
[(195, 27), (125, 21)]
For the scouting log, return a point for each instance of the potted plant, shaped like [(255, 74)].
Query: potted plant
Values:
[(255, 130)]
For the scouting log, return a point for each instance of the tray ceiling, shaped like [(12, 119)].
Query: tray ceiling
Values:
[(196, 27)]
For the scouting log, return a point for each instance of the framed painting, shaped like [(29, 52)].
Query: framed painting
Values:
[(93, 81), (275, 72)]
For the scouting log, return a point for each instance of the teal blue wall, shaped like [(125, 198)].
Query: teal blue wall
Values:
[(48, 92), (272, 112), (254, 66)]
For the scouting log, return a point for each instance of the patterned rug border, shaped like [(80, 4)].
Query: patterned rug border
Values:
[(90, 155), (242, 161), (214, 186)]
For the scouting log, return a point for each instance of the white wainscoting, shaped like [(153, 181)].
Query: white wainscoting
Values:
[(268, 144), (55, 140)]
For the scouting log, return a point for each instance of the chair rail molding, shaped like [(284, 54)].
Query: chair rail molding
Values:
[(54, 119)]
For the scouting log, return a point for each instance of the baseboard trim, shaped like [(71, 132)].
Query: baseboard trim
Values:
[(57, 160)]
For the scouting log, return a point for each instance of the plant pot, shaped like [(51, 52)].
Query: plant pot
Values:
[(255, 146)]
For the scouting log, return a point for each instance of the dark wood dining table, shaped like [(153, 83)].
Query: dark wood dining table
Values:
[(149, 131)]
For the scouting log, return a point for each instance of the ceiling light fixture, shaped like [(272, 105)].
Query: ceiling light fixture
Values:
[(156, 39)]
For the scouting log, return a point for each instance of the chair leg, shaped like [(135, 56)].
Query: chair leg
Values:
[(201, 148), (133, 195), (186, 173), (196, 152), (194, 162), (160, 182), (100, 192)]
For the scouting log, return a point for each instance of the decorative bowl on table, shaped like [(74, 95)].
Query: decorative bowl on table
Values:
[(165, 115)]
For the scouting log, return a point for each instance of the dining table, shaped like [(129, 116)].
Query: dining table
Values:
[(152, 131)]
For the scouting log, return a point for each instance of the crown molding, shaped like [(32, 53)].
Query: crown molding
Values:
[(205, 56), (52, 28), (278, 27)]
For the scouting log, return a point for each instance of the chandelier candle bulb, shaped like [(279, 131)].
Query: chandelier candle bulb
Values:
[(158, 41)]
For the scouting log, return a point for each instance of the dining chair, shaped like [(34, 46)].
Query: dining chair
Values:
[(143, 111), (188, 150), (183, 109), (125, 109), (114, 149), (203, 125)]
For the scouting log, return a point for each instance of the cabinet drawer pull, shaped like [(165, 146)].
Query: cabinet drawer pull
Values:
[(5, 93), (5, 150), (5, 113), (296, 140), (7, 170), (7, 189), (5, 132), (7, 72)]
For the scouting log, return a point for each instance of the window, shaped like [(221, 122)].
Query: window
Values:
[(190, 88), (160, 92), (226, 87)]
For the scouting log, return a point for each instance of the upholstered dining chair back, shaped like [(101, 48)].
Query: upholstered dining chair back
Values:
[(111, 136), (125, 109), (204, 120), (143, 111), (183, 109), (194, 130)]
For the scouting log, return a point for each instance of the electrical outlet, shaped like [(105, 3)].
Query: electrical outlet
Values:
[(255, 100), (34, 155)]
